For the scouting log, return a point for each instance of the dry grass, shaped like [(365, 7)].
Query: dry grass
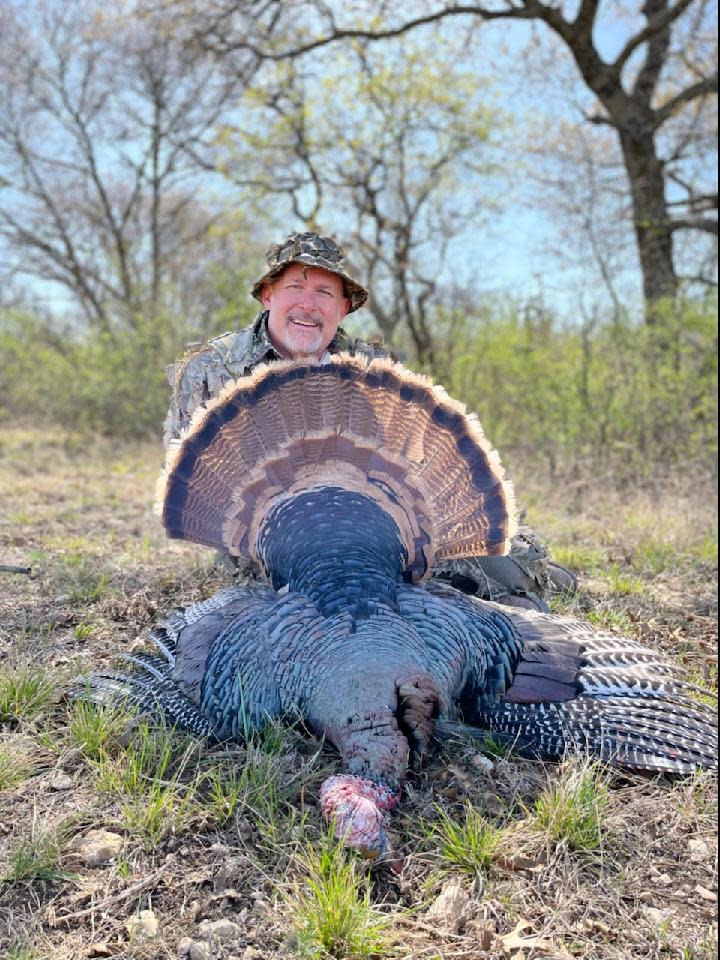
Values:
[(224, 832)]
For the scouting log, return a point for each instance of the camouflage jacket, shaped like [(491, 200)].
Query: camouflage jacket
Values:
[(204, 370)]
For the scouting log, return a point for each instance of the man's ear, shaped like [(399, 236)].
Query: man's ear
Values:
[(345, 307), (266, 295)]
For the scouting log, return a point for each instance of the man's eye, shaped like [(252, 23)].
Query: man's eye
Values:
[(325, 293)]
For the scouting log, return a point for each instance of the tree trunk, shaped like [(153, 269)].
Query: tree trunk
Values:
[(650, 218)]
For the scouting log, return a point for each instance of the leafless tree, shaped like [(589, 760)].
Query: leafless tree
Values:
[(105, 127)]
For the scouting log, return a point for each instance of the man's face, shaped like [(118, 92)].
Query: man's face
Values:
[(306, 305)]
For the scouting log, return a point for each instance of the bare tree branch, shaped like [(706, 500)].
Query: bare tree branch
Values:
[(660, 21), (699, 89)]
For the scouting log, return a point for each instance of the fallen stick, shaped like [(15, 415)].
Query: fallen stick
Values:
[(111, 901), (11, 568)]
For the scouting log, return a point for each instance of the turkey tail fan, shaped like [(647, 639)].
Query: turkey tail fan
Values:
[(573, 689), (368, 426)]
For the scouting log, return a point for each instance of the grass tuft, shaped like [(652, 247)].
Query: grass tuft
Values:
[(572, 809), (36, 857), (13, 768), (622, 583), (147, 779), (331, 908), (96, 729), (25, 691), (607, 618), (23, 951), (469, 844), (85, 583), (259, 787), (580, 559)]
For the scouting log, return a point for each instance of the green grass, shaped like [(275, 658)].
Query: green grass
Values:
[(83, 631), (96, 729), (655, 556), (707, 549), (622, 582), (260, 788), (468, 844), (25, 692), (37, 857), (572, 809), (81, 577), (580, 559), (331, 909), (13, 768), (148, 780), (607, 618), (225, 792), (494, 746), (23, 951)]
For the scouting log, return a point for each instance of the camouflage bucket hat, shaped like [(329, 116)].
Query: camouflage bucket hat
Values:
[(315, 251)]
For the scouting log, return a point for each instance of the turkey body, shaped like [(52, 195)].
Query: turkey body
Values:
[(343, 642), (369, 661), (346, 482)]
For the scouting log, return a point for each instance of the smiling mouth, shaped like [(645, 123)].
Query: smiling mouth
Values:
[(309, 324)]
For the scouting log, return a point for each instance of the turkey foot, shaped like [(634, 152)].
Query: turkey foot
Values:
[(419, 702)]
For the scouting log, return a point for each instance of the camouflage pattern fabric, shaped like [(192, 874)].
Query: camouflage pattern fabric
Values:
[(522, 578)]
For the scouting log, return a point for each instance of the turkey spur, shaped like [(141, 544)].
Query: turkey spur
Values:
[(346, 481)]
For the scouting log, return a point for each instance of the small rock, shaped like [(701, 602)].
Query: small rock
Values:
[(183, 946), (454, 792), (494, 805), (251, 953), (143, 925), (220, 849), (699, 851), (655, 916), (200, 951), (708, 895), (61, 781), (481, 762), (221, 930), (100, 950), (97, 847), (450, 908)]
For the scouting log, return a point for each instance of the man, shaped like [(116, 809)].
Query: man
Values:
[(306, 291)]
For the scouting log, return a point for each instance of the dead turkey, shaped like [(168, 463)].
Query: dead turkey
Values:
[(347, 481)]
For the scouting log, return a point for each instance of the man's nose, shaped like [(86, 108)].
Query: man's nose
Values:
[(309, 298)]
